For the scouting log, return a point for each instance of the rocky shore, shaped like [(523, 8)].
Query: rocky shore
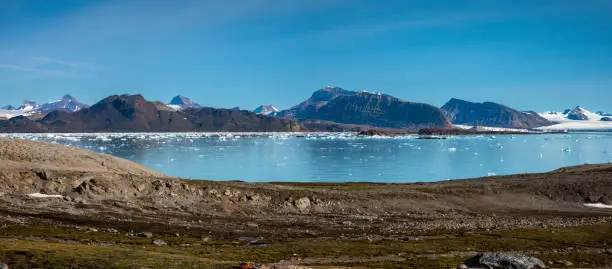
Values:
[(62, 205)]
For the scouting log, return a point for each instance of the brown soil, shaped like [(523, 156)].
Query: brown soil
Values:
[(107, 192)]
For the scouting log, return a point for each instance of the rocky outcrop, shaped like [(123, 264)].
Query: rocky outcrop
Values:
[(606, 119), (503, 260), (337, 105), (491, 115)]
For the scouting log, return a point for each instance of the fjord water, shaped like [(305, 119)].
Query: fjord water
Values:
[(343, 157)]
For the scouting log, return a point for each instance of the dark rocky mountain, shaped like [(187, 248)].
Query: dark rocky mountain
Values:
[(212, 119), (132, 113), (338, 105), (606, 119), (181, 102), (318, 99), (491, 115), (21, 124), (601, 113)]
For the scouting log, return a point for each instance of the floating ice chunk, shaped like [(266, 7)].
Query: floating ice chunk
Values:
[(598, 205), (567, 149), (41, 195), (452, 149), (490, 174)]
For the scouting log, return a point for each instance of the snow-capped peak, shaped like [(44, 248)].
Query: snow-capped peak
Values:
[(67, 103), (266, 110), (576, 114), (181, 102)]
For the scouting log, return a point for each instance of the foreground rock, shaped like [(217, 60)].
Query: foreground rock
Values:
[(503, 260)]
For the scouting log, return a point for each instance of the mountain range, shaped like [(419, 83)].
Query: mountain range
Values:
[(133, 113), (577, 113), (31, 108), (338, 105), (491, 115), (327, 109)]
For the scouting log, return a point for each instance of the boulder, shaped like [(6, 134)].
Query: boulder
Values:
[(503, 260), (145, 234), (302, 204), (159, 243)]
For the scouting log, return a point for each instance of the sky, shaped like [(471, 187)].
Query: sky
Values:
[(528, 54)]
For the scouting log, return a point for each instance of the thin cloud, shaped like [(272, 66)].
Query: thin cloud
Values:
[(33, 70), (69, 64)]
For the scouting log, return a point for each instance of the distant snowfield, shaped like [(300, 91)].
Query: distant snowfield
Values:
[(564, 123), (598, 205), (494, 129), (579, 125)]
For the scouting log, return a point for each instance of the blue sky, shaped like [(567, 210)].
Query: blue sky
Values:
[(528, 54)]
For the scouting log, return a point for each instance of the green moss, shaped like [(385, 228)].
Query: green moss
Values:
[(66, 247)]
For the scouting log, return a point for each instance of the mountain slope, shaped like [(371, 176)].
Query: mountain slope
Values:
[(491, 115), (132, 113), (338, 105), (318, 99)]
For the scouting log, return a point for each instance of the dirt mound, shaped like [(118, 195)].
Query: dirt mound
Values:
[(17, 153)]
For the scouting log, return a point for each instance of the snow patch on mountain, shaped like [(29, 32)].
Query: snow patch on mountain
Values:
[(181, 102), (266, 110), (29, 108), (576, 114)]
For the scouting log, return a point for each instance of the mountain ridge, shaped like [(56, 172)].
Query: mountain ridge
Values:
[(133, 113), (338, 105), (491, 114)]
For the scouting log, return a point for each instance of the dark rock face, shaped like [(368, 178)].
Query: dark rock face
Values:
[(364, 108), (318, 99), (211, 119), (492, 115), (132, 113), (503, 260), (21, 124), (606, 119)]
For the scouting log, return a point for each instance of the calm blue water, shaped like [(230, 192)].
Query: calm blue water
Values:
[(339, 158)]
